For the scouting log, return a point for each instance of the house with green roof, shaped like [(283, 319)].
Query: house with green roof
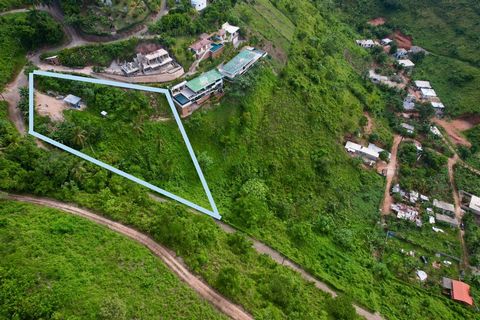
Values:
[(241, 63), (190, 95)]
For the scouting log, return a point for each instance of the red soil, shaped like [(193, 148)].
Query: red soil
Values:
[(403, 41), (377, 21)]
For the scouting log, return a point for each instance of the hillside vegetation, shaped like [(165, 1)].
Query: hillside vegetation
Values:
[(22, 32), (277, 170), (55, 266)]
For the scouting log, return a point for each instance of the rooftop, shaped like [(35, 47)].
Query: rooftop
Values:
[(71, 99), (200, 44), (156, 54), (423, 84), (229, 28), (406, 63), (443, 205), (475, 203), (241, 60), (408, 127), (428, 92), (438, 105), (204, 80), (461, 292), (446, 219)]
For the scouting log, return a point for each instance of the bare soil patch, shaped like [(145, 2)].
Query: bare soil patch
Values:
[(452, 129), (377, 21), (403, 41), (49, 106)]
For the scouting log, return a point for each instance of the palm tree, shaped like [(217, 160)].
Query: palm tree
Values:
[(79, 136)]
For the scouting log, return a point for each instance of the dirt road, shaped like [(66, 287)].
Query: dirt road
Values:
[(11, 94), (391, 171), (206, 292), (458, 206)]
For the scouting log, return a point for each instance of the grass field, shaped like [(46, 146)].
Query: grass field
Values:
[(56, 266)]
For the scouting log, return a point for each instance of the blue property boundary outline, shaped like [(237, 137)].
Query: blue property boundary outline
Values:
[(214, 214)]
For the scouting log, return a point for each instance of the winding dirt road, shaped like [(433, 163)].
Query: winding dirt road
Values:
[(221, 303)]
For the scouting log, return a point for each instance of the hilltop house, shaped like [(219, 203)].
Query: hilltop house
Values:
[(241, 63), (446, 219), (212, 45), (229, 33), (188, 96), (73, 101), (401, 53), (201, 47), (470, 202), (423, 84)]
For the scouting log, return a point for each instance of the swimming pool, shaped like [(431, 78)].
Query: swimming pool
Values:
[(180, 98), (216, 46)]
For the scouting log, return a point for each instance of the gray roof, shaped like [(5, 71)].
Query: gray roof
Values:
[(446, 219), (443, 205), (71, 99)]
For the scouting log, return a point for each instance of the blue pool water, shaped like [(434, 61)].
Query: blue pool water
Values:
[(181, 99), (215, 47)]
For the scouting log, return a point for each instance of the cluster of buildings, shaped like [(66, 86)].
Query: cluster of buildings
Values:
[(369, 154), (188, 96), (156, 62), (212, 45)]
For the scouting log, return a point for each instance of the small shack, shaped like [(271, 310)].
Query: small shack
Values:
[(457, 290), (73, 101)]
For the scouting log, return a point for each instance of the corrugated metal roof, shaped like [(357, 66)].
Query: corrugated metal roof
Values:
[(241, 60), (72, 99), (461, 292)]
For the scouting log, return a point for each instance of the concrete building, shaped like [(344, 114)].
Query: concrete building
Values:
[(241, 63), (230, 33), (190, 95), (73, 101), (147, 63)]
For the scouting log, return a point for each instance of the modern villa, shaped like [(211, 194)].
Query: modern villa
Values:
[(190, 95), (241, 62)]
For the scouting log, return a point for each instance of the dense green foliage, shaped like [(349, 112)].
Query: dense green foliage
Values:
[(96, 54), (448, 30), (196, 238), (97, 17), (21, 32), (425, 172), (55, 266), (467, 180), (6, 5)]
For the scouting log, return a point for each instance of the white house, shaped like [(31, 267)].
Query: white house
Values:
[(368, 43), (401, 53), (428, 93), (72, 101), (199, 5), (406, 63), (437, 105), (423, 84), (231, 33), (386, 41), (372, 152), (474, 204)]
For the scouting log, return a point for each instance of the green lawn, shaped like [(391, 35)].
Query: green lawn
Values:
[(57, 266)]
